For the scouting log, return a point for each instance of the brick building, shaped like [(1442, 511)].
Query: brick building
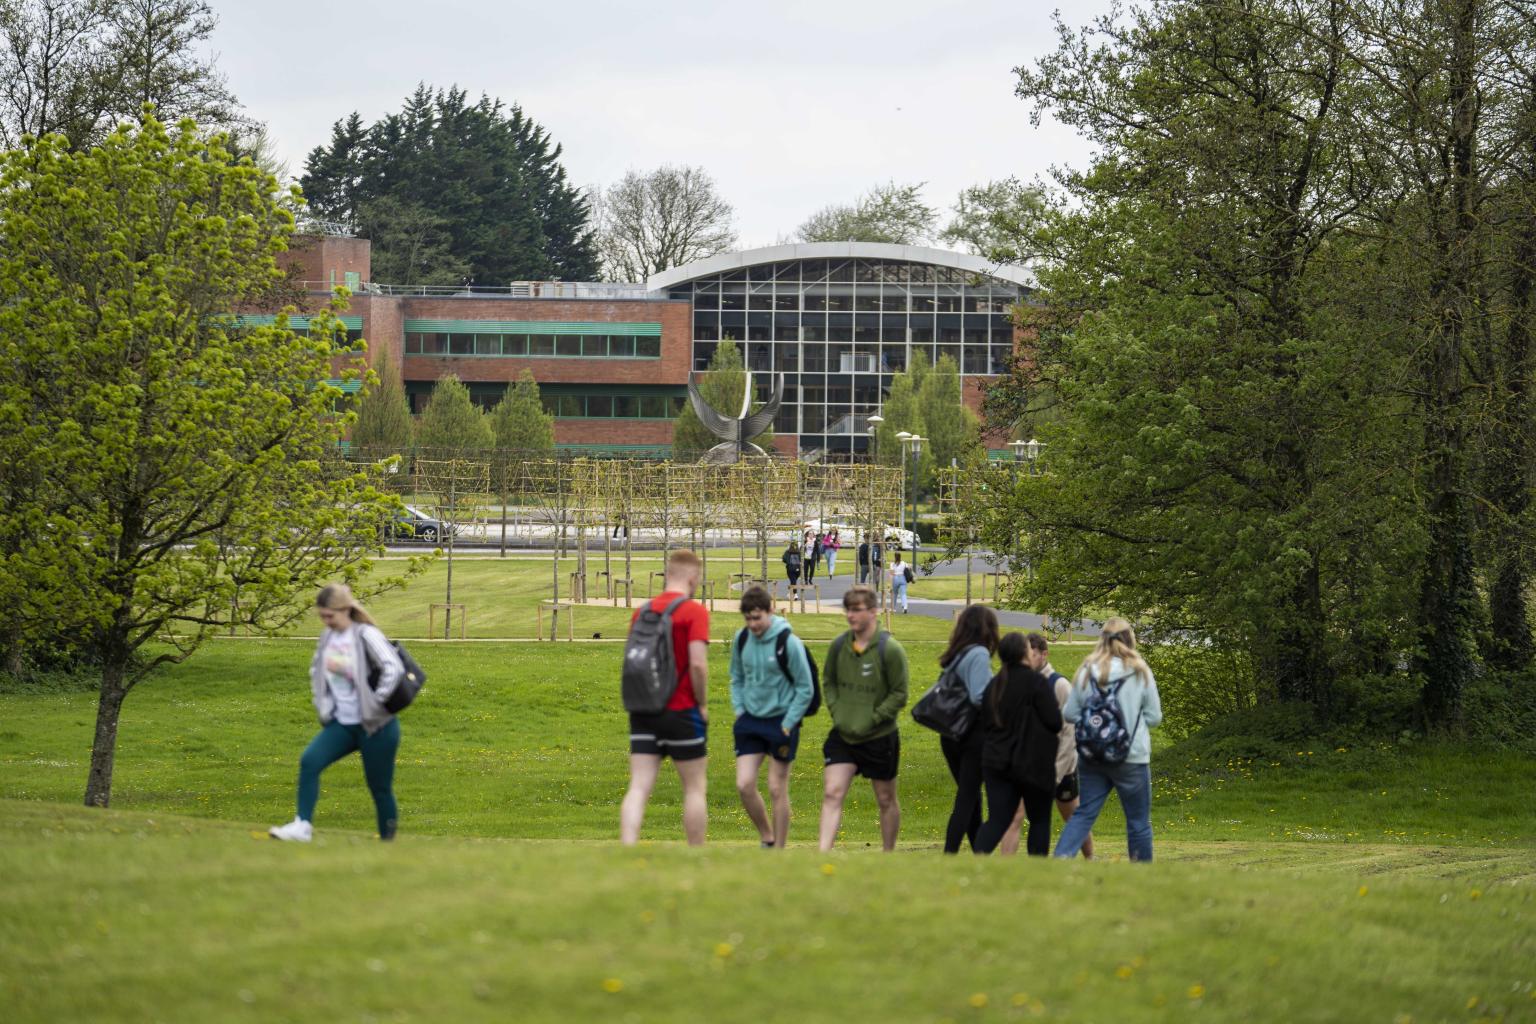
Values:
[(835, 319)]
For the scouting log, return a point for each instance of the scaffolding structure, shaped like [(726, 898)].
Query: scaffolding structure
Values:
[(958, 493)]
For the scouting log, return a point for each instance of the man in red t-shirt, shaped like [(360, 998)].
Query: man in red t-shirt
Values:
[(681, 731)]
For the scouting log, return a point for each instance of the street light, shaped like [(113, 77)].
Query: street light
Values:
[(916, 444), (1032, 453), (874, 425)]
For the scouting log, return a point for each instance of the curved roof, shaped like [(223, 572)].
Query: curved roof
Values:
[(728, 261)]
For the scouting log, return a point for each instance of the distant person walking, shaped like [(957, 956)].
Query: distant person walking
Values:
[(969, 657), (863, 560), (876, 559), (1020, 721), (901, 577), (681, 730), (1114, 702), (832, 546), (771, 689), (792, 560), (813, 558), (352, 674), (1067, 785), (864, 685)]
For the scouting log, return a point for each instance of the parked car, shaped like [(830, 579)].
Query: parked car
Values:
[(412, 523)]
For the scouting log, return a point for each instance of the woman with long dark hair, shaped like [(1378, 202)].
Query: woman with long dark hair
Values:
[(969, 657), (1020, 722)]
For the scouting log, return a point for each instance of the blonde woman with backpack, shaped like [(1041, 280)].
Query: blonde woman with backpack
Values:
[(1113, 703)]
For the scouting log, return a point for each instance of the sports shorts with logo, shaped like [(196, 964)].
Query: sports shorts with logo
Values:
[(1068, 788), (876, 760), (758, 735), (680, 735)]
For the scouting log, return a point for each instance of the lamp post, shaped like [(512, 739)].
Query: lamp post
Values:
[(874, 425), (902, 437), (916, 444), (1032, 453)]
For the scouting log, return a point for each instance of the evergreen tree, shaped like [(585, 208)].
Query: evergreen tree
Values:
[(383, 414), (519, 422), (480, 185), (452, 426), (903, 412), (721, 387)]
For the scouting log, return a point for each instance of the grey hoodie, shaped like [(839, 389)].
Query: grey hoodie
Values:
[(369, 701)]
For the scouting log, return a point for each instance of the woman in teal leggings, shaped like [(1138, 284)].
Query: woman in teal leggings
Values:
[(352, 674)]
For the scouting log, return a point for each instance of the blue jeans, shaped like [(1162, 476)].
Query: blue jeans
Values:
[(1134, 784), (831, 563), (899, 591)]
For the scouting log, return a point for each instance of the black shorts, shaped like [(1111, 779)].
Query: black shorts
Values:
[(755, 735), (876, 760), (1067, 788), (680, 735)]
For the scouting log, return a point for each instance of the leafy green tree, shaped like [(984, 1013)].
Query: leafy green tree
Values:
[(886, 213), (519, 422), (952, 429), (481, 185), (172, 474), (721, 387), (998, 220), (902, 411), (384, 414), (452, 425)]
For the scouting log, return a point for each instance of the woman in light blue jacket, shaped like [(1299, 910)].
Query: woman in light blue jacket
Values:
[(352, 674), (1114, 669)]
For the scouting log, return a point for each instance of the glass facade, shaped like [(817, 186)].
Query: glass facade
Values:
[(839, 329)]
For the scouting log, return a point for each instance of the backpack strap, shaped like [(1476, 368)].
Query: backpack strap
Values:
[(741, 640), (781, 652)]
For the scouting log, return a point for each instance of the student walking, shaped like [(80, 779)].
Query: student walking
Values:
[(792, 562), (681, 729), (1114, 702), (352, 674), (876, 556), (812, 558), (863, 560), (972, 642), (1067, 784), (832, 546), (1020, 721), (864, 685), (771, 689), (901, 577)]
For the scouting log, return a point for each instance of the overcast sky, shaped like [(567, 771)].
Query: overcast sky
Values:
[(789, 105)]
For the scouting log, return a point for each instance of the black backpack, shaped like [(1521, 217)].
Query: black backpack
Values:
[(781, 651), (650, 668), (409, 685)]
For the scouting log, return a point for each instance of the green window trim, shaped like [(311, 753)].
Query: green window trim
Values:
[(296, 323), (610, 344), (528, 327)]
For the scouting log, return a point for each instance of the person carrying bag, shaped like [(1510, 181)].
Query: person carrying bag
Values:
[(1020, 722)]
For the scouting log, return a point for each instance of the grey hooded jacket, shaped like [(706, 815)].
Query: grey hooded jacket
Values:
[(369, 701)]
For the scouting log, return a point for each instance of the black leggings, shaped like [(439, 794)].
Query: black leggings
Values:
[(1003, 796), (964, 760)]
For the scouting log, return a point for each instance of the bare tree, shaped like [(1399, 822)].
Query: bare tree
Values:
[(652, 222)]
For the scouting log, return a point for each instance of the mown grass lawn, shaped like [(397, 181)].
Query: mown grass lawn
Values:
[(134, 916)]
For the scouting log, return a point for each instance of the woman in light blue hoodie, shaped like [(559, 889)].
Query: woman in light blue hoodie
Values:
[(1114, 670), (771, 689)]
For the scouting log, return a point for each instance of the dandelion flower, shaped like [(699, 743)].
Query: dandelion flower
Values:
[(1196, 992), (829, 869), (724, 949), (613, 985), (978, 1000)]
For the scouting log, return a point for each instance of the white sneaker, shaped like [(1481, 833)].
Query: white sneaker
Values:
[(296, 831)]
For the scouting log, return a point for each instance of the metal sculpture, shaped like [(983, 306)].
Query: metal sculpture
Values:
[(735, 432)]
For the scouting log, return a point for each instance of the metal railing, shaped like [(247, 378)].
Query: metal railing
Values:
[(588, 290)]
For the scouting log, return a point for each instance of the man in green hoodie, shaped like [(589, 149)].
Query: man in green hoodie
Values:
[(769, 704), (864, 685)]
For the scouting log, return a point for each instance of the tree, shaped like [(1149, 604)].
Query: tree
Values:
[(177, 473), (383, 413), (721, 385), (76, 67), (652, 222), (998, 220), (452, 425), (519, 422), (902, 411), (481, 184), (886, 213), (952, 429)]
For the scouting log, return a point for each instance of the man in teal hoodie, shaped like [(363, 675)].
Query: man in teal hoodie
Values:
[(769, 704), (865, 685)]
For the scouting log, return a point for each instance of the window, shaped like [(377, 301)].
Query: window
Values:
[(541, 345), (487, 344), (461, 344), (412, 344), (594, 345), (652, 407), (599, 405), (514, 344), (621, 346), (570, 406), (648, 348)]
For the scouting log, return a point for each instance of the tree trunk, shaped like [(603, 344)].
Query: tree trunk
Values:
[(1300, 665), (98, 785)]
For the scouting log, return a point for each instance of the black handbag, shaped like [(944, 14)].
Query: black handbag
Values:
[(946, 708), (412, 678)]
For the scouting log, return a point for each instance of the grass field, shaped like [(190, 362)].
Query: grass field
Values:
[(1382, 883)]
